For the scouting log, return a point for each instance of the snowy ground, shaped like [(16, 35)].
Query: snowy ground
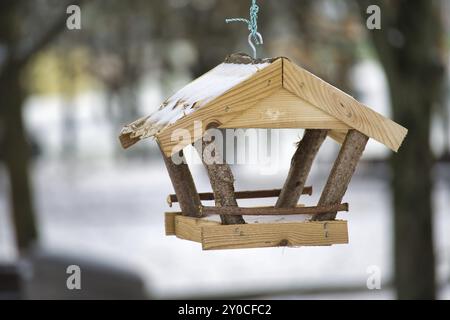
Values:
[(115, 213)]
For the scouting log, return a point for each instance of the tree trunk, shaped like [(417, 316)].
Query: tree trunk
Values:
[(221, 179), (300, 167), (184, 186), (12, 132), (415, 71), (16, 158)]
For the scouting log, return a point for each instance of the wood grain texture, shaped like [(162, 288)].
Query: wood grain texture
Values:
[(169, 222), (283, 95), (231, 104), (284, 109), (274, 235), (188, 228), (342, 106), (342, 172), (301, 164), (249, 194), (338, 135)]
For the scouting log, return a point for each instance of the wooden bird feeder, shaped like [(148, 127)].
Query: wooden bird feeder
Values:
[(271, 93)]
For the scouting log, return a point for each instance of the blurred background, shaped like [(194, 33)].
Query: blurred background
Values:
[(69, 195)]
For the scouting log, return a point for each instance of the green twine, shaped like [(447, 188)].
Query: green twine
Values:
[(252, 23)]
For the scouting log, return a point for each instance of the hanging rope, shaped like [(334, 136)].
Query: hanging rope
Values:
[(252, 25)]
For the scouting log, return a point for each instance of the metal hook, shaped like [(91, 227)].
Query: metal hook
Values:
[(250, 42)]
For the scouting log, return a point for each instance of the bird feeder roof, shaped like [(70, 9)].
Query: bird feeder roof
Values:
[(272, 93)]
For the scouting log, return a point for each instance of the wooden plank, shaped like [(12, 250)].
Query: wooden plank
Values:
[(284, 109), (272, 211), (188, 228), (274, 234), (231, 104), (169, 222), (338, 135), (301, 164), (249, 194), (342, 106), (342, 172)]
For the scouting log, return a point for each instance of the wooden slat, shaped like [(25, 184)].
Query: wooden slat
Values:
[(229, 105), (342, 106), (274, 234), (169, 221), (272, 211), (250, 194), (284, 109), (213, 235), (188, 228)]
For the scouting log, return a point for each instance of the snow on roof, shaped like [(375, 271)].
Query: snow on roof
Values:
[(192, 97)]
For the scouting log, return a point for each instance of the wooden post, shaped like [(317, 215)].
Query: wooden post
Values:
[(184, 186), (221, 179), (342, 172), (300, 166)]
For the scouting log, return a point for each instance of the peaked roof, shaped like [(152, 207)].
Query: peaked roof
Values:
[(269, 93)]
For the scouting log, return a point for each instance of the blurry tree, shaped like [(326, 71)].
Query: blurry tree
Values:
[(68, 91), (13, 140), (117, 35), (203, 23), (128, 41), (20, 41), (320, 31), (410, 47)]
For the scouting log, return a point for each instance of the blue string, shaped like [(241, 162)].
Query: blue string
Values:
[(252, 23)]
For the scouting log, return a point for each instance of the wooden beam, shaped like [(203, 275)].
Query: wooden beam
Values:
[(184, 186), (169, 222), (261, 235), (188, 228), (341, 106), (250, 194), (342, 172), (213, 235), (284, 109), (272, 211), (300, 167), (220, 176)]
